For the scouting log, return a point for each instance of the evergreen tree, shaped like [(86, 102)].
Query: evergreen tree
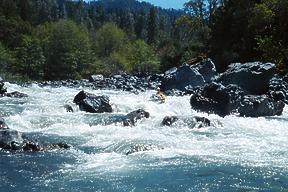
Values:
[(152, 26)]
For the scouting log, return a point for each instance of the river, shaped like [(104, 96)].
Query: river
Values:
[(234, 154)]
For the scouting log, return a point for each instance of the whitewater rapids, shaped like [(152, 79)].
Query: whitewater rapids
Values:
[(233, 154)]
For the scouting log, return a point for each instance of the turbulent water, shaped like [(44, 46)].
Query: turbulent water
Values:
[(234, 154)]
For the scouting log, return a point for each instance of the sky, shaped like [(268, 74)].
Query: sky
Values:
[(176, 4)]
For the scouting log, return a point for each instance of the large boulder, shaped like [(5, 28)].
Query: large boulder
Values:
[(213, 98), (186, 76), (252, 77), (92, 103), (257, 106), (134, 116)]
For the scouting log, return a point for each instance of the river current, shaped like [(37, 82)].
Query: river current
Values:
[(233, 154)]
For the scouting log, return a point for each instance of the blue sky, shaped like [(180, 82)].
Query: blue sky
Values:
[(176, 4)]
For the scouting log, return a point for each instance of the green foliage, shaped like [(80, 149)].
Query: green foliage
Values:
[(69, 51), (136, 57), (109, 39), (152, 30), (30, 58), (6, 59)]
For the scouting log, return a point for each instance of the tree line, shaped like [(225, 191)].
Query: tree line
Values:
[(66, 39)]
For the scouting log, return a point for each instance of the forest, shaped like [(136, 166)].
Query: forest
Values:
[(68, 39)]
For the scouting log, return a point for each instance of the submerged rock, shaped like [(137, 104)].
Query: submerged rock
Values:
[(252, 77), (142, 147), (68, 108), (15, 94), (3, 125), (92, 103), (257, 106), (186, 76), (16, 141), (134, 116), (194, 122), (169, 120)]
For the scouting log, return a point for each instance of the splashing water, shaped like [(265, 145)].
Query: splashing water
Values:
[(235, 154)]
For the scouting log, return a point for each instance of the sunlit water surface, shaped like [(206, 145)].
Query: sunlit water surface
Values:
[(235, 154)]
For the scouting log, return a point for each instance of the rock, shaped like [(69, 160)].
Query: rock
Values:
[(169, 120), (278, 89), (251, 77), (187, 76), (68, 108), (91, 103), (257, 106), (3, 90), (93, 78), (3, 125), (142, 147), (213, 98), (201, 122), (134, 116), (16, 94), (194, 122), (14, 140)]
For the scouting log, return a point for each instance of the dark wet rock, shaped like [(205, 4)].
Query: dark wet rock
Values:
[(92, 103), (94, 78), (187, 76), (213, 98), (16, 94), (257, 106), (3, 90), (16, 141), (3, 125), (169, 120), (278, 89), (68, 108), (134, 116), (252, 77), (201, 122), (194, 122), (142, 147)]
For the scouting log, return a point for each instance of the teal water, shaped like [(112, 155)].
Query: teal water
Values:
[(234, 154)]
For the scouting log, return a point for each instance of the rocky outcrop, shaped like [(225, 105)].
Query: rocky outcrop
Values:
[(186, 77), (213, 98), (257, 106), (16, 141), (252, 77), (250, 89), (194, 122), (131, 118), (92, 103)]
